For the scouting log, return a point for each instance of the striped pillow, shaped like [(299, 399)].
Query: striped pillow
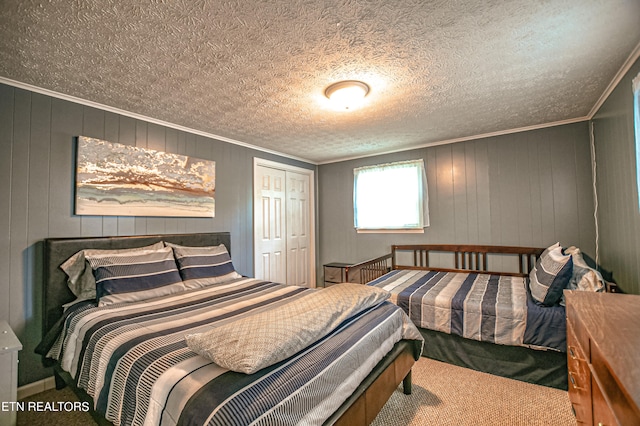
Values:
[(204, 266), (80, 279), (134, 276), (550, 275), (584, 277)]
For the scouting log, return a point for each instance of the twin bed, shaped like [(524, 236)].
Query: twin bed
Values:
[(475, 308), (225, 349)]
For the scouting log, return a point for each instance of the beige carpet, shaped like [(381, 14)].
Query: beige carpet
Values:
[(443, 394)]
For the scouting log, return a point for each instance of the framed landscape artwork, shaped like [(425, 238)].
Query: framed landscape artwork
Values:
[(113, 179)]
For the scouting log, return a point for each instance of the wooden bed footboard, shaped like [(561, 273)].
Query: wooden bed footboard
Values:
[(462, 258), (368, 270)]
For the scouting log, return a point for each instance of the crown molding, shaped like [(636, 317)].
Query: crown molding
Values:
[(626, 66), (465, 139), (136, 116)]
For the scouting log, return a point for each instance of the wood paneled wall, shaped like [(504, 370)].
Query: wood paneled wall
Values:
[(37, 161), (618, 212), (529, 189)]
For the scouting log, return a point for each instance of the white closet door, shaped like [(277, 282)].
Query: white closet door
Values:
[(270, 224), (284, 223), (298, 229)]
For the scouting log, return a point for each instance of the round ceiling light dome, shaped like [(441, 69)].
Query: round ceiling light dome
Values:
[(347, 94)]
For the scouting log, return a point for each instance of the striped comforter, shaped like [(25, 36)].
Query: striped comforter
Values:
[(483, 307), (132, 359)]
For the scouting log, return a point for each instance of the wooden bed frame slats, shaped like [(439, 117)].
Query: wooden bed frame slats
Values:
[(369, 270), (466, 258)]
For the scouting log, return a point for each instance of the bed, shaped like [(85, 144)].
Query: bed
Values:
[(474, 307), (160, 360)]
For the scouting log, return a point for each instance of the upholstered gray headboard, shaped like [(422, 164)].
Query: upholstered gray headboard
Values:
[(57, 250)]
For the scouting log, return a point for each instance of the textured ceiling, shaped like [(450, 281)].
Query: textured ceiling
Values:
[(255, 71)]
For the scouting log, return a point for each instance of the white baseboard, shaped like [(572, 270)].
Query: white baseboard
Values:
[(36, 387)]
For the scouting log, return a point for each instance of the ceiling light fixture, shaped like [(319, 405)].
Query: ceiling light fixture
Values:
[(347, 94)]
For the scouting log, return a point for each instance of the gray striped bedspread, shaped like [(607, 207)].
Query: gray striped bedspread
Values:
[(132, 359), (490, 308)]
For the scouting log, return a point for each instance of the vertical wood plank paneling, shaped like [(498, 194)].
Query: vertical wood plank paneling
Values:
[(509, 184), (610, 209), (39, 165), (93, 124), (627, 188), (483, 189), (66, 123), (19, 203), (445, 209), (111, 127), (37, 219), (618, 212), (549, 235), (471, 193), (224, 193), (244, 190), (534, 189), (495, 194), (584, 190), (460, 206), (524, 221), (156, 137), (7, 95), (564, 190)]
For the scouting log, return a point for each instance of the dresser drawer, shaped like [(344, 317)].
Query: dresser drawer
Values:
[(577, 339), (580, 391), (334, 275), (579, 378), (602, 413), (603, 333), (615, 407)]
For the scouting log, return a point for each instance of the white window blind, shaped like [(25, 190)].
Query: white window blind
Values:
[(391, 196)]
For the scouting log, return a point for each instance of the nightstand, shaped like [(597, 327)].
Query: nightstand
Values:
[(335, 272), (9, 347)]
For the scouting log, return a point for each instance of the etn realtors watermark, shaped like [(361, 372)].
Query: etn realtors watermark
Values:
[(57, 406)]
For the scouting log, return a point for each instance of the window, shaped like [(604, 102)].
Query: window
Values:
[(636, 113), (391, 197)]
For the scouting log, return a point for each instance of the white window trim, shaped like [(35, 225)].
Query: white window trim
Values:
[(635, 85), (423, 209)]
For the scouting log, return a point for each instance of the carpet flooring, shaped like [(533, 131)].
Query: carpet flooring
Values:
[(443, 394)]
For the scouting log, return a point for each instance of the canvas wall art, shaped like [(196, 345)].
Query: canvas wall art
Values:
[(113, 179)]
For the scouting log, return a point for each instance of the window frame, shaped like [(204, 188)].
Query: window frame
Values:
[(635, 85), (422, 201)]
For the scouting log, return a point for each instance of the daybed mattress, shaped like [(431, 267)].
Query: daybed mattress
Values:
[(132, 359), (491, 308)]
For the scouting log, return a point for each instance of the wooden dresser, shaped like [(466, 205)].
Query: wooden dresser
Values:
[(603, 353)]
